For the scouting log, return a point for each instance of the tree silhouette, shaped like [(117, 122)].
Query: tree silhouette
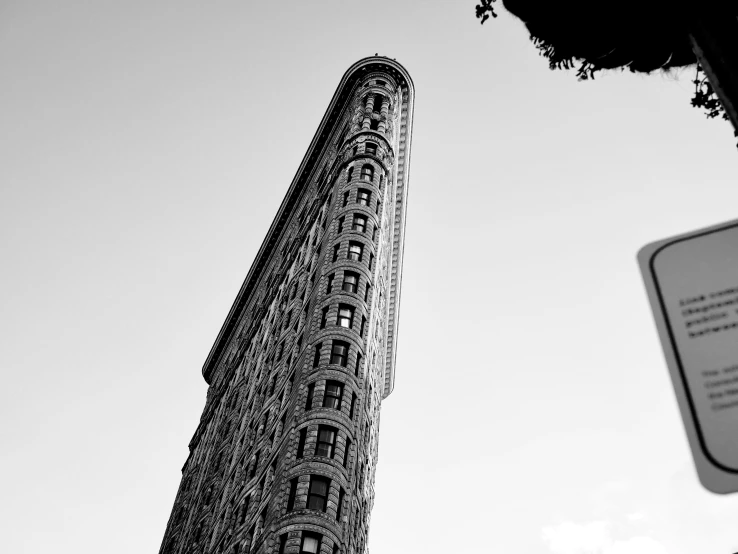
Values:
[(643, 36)]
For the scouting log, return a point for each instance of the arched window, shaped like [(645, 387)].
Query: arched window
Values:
[(378, 100), (367, 172)]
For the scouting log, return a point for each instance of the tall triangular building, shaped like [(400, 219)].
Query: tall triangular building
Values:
[(284, 457)]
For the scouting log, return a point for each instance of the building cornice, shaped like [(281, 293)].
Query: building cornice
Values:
[(315, 153)]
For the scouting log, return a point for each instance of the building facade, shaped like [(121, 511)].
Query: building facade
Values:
[(284, 457)]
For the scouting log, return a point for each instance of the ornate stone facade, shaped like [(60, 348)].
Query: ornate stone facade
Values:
[(283, 459)]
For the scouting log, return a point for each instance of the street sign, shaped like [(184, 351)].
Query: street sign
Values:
[(692, 284)]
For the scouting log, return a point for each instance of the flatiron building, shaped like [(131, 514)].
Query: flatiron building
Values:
[(283, 460)]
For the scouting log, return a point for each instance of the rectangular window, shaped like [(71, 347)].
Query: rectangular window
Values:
[(355, 251), (333, 394), (293, 493), (309, 403), (358, 364), (318, 493), (345, 198), (324, 317), (340, 224), (335, 252), (330, 283), (371, 259), (301, 443), (349, 174), (310, 543), (283, 543), (341, 493), (353, 404), (363, 324), (374, 125), (345, 316), (339, 353), (366, 292), (363, 197), (359, 223), (316, 358), (371, 148), (367, 173), (347, 452), (326, 441), (350, 281), (374, 234)]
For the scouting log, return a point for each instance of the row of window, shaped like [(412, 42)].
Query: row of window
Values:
[(325, 445), (332, 397), (339, 354), (317, 498), (344, 318), (355, 252), (350, 284), (378, 100), (358, 224), (309, 544), (367, 171)]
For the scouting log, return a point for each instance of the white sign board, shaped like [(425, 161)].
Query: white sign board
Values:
[(692, 283)]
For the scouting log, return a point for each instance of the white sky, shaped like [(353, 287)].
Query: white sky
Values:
[(145, 148)]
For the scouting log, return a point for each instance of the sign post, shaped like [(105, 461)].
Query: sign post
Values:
[(692, 284)]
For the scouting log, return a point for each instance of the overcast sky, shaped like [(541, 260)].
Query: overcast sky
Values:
[(145, 147)]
